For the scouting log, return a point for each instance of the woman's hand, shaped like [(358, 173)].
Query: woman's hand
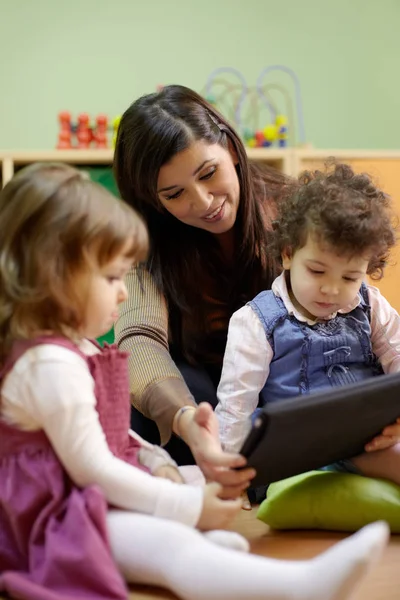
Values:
[(389, 437), (200, 430)]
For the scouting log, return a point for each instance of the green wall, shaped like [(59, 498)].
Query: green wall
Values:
[(97, 56)]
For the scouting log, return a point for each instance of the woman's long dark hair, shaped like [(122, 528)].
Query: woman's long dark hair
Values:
[(152, 131)]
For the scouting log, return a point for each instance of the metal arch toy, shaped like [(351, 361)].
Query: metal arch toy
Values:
[(247, 100), (243, 94), (295, 79)]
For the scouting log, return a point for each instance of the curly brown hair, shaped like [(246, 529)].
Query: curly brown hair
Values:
[(343, 209)]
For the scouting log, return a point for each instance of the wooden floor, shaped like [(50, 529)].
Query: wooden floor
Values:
[(383, 583)]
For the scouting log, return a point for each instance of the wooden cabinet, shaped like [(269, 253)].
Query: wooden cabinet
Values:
[(12, 161)]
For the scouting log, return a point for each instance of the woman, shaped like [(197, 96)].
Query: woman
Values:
[(208, 210)]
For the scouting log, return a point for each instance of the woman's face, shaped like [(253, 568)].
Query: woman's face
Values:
[(200, 187)]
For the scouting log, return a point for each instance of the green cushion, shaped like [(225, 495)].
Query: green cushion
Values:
[(329, 500), (104, 176), (107, 337)]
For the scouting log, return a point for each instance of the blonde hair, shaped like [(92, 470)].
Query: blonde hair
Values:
[(54, 222)]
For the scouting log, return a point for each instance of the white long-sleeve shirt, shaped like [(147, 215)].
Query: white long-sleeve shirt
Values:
[(248, 355), (50, 388)]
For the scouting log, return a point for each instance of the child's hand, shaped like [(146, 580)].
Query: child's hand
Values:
[(246, 505), (389, 437), (169, 472), (217, 513)]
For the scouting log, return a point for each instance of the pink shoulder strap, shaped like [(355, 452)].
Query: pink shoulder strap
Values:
[(21, 346)]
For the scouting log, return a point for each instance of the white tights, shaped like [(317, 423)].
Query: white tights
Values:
[(195, 566)]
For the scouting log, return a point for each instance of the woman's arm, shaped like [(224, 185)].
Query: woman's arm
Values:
[(157, 387)]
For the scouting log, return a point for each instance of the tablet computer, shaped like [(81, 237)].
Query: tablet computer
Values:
[(308, 432)]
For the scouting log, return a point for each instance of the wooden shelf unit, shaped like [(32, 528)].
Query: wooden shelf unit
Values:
[(288, 160), (383, 165), (280, 158), (11, 161)]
